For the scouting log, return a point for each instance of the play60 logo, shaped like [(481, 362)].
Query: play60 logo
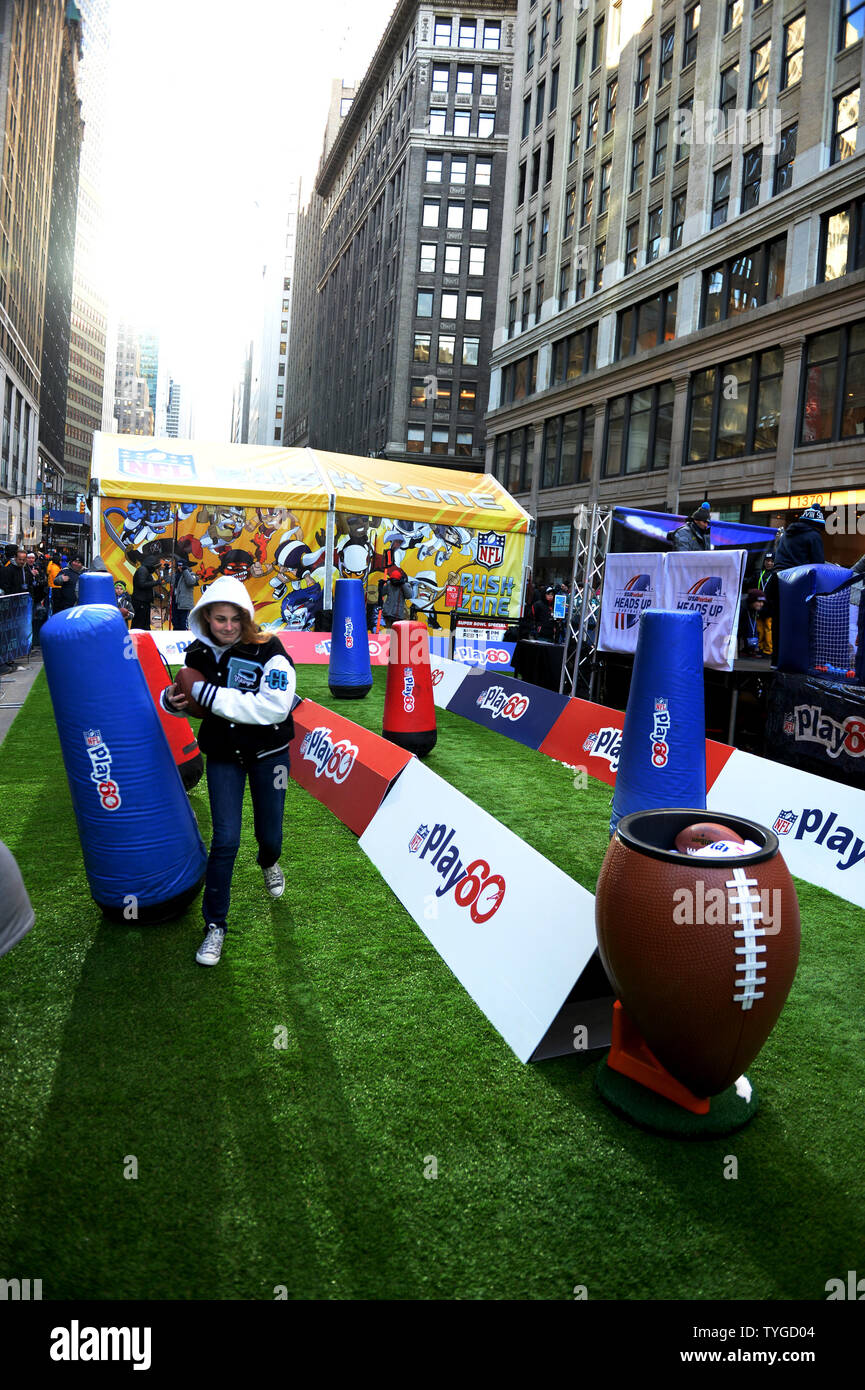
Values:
[(501, 705), (474, 885)]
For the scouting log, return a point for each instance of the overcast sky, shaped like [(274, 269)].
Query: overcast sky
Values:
[(213, 105)]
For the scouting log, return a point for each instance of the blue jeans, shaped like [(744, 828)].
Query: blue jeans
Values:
[(225, 787)]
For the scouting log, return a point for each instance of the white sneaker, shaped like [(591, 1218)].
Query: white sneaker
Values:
[(210, 949), (274, 881)]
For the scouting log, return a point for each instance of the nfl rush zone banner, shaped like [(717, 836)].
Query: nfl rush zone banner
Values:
[(820, 823), (515, 930)]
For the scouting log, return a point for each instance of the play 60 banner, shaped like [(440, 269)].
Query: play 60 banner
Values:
[(513, 928)]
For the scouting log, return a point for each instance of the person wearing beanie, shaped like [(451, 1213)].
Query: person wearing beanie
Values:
[(754, 636), (246, 691), (802, 541), (695, 533)]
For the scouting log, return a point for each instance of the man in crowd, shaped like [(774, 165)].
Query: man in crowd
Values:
[(66, 590), (695, 533), (144, 582), (13, 577)]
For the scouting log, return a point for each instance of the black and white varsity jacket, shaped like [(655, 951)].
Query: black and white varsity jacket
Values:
[(248, 693)]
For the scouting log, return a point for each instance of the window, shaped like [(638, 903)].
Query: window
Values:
[(530, 241), (459, 169), (418, 392), (735, 409), (539, 299), (483, 171), (489, 82), (579, 62), (540, 97), (452, 260), (638, 156), (530, 51), (759, 88), (720, 195), (450, 304), (545, 32), (732, 14), (421, 347), (439, 442), (586, 204), (592, 126), (610, 109), (486, 124), (519, 379), (468, 395), (554, 88), (518, 246), (434, 168), (424, 304), (551, 147), (641, 81), (729, 91), (536, 170), (638, 431), (557, 33), (567, 450), (462, 124), (852, 22), (683, 127), (514, 459), (464, 443), (598, 45), (677, 220), (631, 237), (431, 212), (844, 126), (437, 120), (653, 235), (576, 122), (492, 34), (574, 356), (442, 32), (455, 214), (474, 306), (414, 439), (604, 191), (580, 275), (794, 47), (545, 232), (659, 149), (665, 70), (833, 405), (447, 344), (428, 257), (752, 165), (570, 210), (512, 316), (467, 33), (465, 81), (600, 261), (842, 241), (527, 116), (564, 284), (477, 260), (471, 349), (480, 217), (692, 33), (744, 282), (521, 184), (441, 78)]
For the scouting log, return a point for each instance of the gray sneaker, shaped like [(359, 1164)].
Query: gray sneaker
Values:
[(210, 949), (274, 881)]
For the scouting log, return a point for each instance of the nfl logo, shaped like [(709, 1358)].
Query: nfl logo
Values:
[(417, 839), (589, 743), (660, 706), (491, 549), (155, 463), (785, 822), (789, 724)]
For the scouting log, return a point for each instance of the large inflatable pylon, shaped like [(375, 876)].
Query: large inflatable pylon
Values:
[(349, 672), (409, 711)]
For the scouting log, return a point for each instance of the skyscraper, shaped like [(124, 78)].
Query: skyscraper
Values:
[(270, 346)]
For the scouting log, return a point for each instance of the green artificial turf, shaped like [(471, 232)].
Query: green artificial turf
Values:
[(308, 1166)]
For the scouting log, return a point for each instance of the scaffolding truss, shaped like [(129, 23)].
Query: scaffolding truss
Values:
[(594, 527)]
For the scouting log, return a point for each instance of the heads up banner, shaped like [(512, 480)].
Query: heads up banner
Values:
[(289, 522), (704, 582)]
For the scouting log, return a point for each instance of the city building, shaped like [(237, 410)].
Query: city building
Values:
[(54, 365), (304, 288), (412, 192), (89, 311), (681, 301), (240, 402), (31, 63), (134, 388), (270, 346)]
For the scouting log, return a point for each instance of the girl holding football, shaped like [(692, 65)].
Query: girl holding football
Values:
[(242, 683)]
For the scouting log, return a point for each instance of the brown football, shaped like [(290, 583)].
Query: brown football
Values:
[(185, 680), (705, 832), (701, 953)]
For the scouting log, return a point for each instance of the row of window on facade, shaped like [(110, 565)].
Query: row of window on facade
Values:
[(457, 169), (466, 82), (452, 31), (734, 410)]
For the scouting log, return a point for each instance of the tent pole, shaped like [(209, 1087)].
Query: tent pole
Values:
[(330, 534)]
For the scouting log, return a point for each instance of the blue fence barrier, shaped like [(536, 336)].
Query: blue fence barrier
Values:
[(16, 627)]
